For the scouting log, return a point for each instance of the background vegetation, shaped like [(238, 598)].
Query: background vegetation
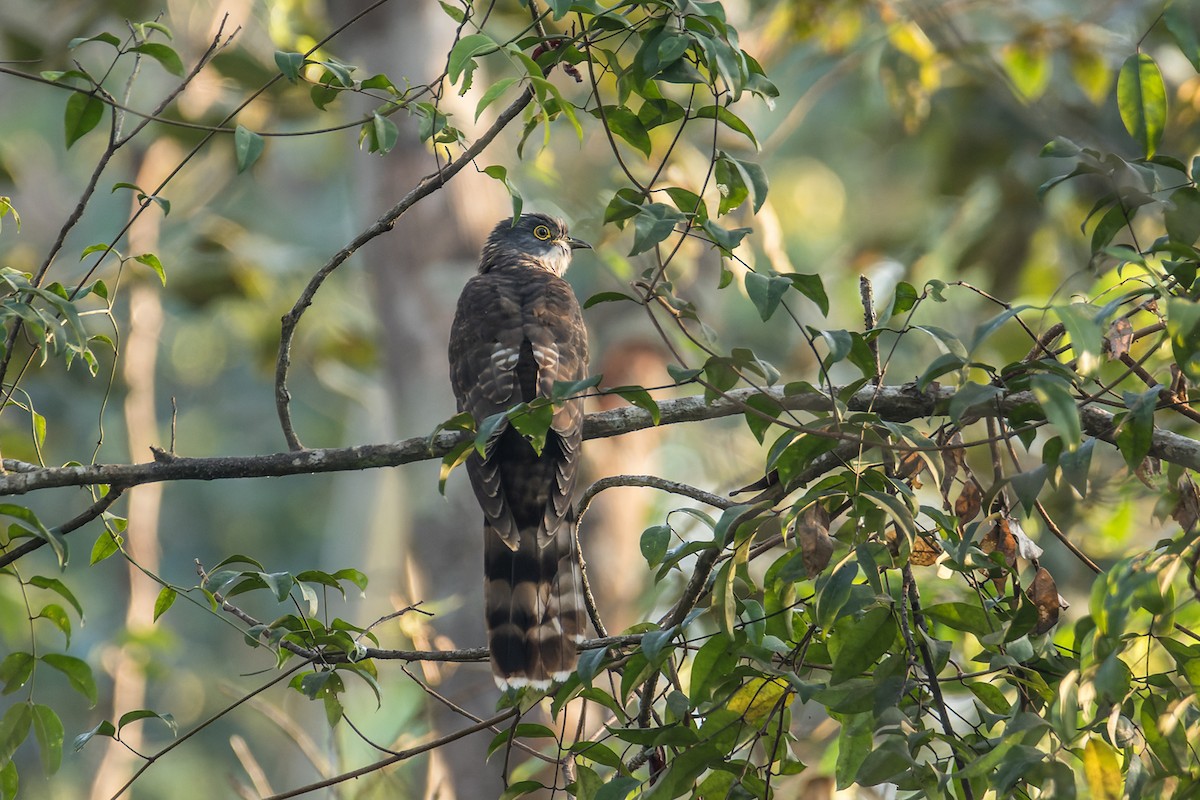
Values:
[(928, 267)]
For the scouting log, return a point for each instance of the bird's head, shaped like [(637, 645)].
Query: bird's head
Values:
[(534, 240)]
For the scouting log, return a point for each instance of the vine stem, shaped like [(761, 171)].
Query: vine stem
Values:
[(935, 688)]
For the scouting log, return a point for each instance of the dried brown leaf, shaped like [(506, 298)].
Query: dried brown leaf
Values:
[(1147, 470), (816, 546), (969, 502), (1000, 539), (1187, 510), (953, 457), (925, 552), (1045, 597), (1120, 338)]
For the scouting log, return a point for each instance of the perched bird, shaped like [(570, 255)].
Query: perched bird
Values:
[(517, 330)]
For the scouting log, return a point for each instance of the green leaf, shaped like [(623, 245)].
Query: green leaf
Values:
[(247, 147), (654, 543), (103, 728), (385, 134), (1029, 67), (1054, 395), (725, 238), (9, 782), (654, 642), (453, 12), (1086, 337), (857, 643), (533, 422), (618, 788), (280, 583), (946, 341), (590, 664), (489, 429), (607, 297), (652, 224), (151, 261), (28, 521), (834, 591), (1142, 101), (732, 187), (105, 37), (812, 287), (640, 398), (1075, 466), (961, 617), (146, 713), (48, 729), (766, 292), (57, 617), (970, 396), (500, 173), (1183, 326), (493, 93), (1182, 27), (106, 544), (728, 119), (991, 697), (353, 576), (15, 670), (1182, 215), (58, 587), (162, 54), (839, 343), (462, 56), (1109, 226), (14, 727), (1028, 485), (289, 64), (625, 124), (166, 597), (1136, 432), (78, 673), (83, 113)]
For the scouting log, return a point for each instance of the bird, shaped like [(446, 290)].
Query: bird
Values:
[(518, 329)]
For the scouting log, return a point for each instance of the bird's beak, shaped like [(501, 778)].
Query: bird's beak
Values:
[(577, 244)]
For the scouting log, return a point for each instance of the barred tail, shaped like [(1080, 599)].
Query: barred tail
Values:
[(534, 603)]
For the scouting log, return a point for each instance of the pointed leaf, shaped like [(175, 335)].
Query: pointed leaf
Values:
[(1142, 101), (247, 147)]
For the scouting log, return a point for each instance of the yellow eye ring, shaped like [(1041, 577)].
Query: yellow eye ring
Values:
[(542, 232)]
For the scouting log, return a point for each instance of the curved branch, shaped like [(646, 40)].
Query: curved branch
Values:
[(76, 522), (400, 756), (427, 186), (892, 403)]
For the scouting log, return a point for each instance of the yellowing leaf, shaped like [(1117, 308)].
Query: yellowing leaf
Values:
[(757, 699), (1142, 100), (1102, 771)]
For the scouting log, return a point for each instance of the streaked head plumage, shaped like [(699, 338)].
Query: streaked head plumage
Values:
[(538, 241)]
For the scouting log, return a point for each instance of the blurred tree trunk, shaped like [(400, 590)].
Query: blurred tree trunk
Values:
[(415, 274), (139, 359)]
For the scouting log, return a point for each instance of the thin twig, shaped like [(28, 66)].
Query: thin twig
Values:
[(399, 756), (935, 687)]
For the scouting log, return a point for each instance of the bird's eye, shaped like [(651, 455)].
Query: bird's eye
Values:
[(542, 232)]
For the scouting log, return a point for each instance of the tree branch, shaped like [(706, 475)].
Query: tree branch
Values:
[(400, 756), (892, 403), (427, 186)]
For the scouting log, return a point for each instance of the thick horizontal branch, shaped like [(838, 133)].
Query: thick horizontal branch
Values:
[(893, 403)]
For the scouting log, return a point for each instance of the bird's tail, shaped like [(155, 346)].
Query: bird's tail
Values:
[(535, 610)]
